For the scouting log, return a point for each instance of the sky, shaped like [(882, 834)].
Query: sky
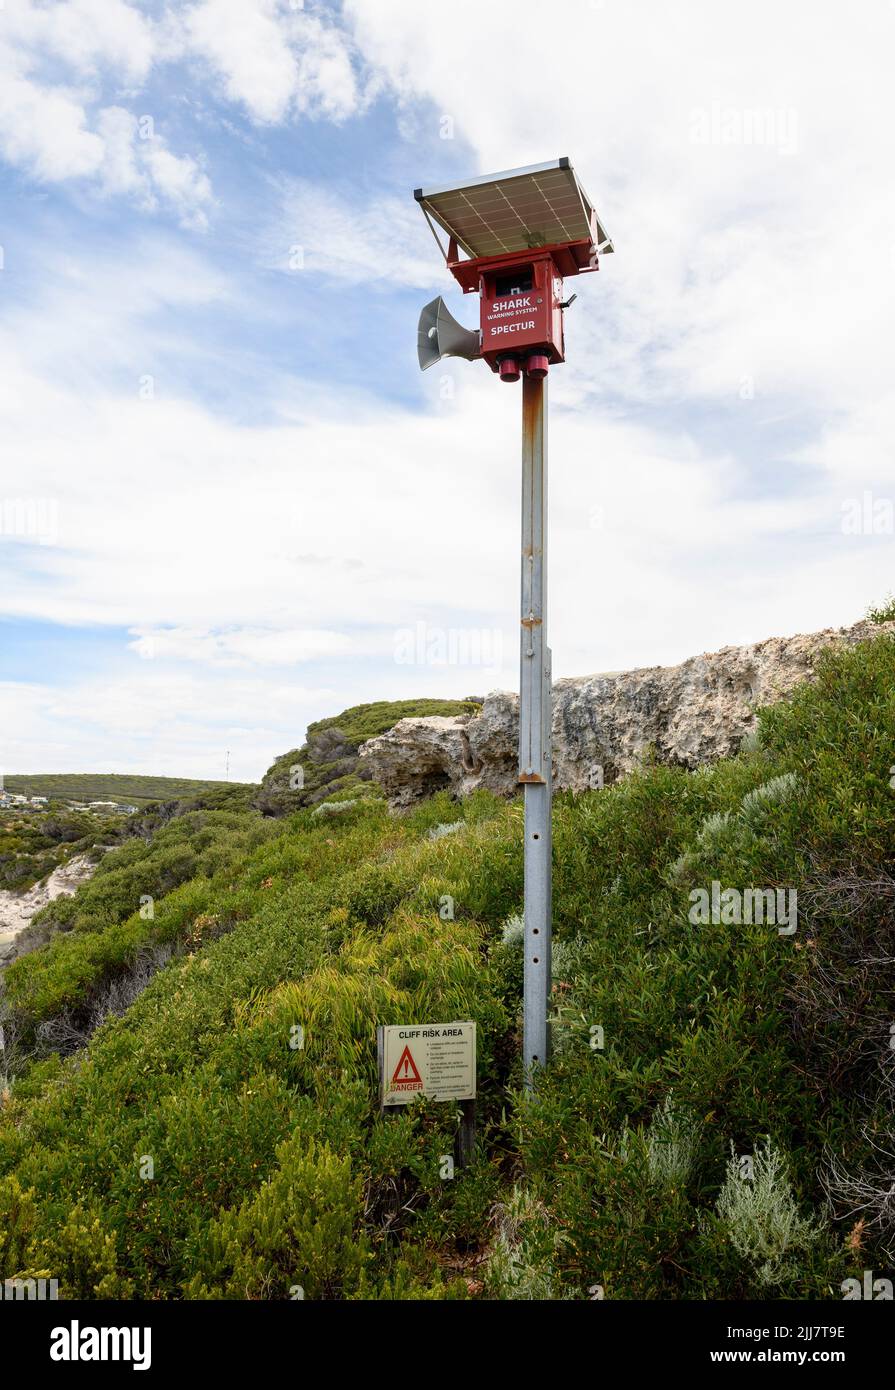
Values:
[(230, 503)]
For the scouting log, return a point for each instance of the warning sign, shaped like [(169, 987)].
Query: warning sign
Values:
[(429, 1059), (406, 1077)]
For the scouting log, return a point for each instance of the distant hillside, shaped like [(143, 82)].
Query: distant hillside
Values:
[(111, 786)]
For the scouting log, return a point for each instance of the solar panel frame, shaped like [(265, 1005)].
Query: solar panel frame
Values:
[(517, 210)]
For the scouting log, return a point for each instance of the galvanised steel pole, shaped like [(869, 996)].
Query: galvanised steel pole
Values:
[(535, 763)]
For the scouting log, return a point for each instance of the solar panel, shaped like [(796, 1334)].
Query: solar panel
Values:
[(518, 210)]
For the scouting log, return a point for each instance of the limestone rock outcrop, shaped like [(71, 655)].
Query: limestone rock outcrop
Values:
[(603, 725)]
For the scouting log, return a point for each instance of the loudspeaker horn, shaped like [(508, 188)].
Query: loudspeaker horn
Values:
[(440, 335)]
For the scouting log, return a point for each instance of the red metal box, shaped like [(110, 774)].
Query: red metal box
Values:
[(520, 309)]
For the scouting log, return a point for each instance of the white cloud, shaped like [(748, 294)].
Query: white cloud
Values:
[(767, 254), (383, 240), (115, 302), (327, 83), (45, 131), (266, 572), (235, 647), (179, 181), (275, 61), (159, 723), (120, 172), (60, 131), (137, 162), (316, 541), (88, 35), (244, 42)]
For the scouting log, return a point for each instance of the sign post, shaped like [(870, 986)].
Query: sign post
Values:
[(521, 232), (437, 1060), (427, 1059), (535, 762)]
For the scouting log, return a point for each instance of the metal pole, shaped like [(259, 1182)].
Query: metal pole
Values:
[(534, 728), (466, 1137)]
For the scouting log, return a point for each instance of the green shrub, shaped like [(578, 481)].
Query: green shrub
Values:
[(761, 1216), (81, 1254), (882, 612), (672, 1146), (17, 1219), (298, 1237), (520, 1265)]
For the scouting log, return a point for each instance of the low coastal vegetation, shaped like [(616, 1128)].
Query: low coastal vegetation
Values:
[(124, 788), (34, 843), (716, 1120), (82, 814)]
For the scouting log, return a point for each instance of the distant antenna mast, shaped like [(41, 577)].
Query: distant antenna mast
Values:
[(227, 775)]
